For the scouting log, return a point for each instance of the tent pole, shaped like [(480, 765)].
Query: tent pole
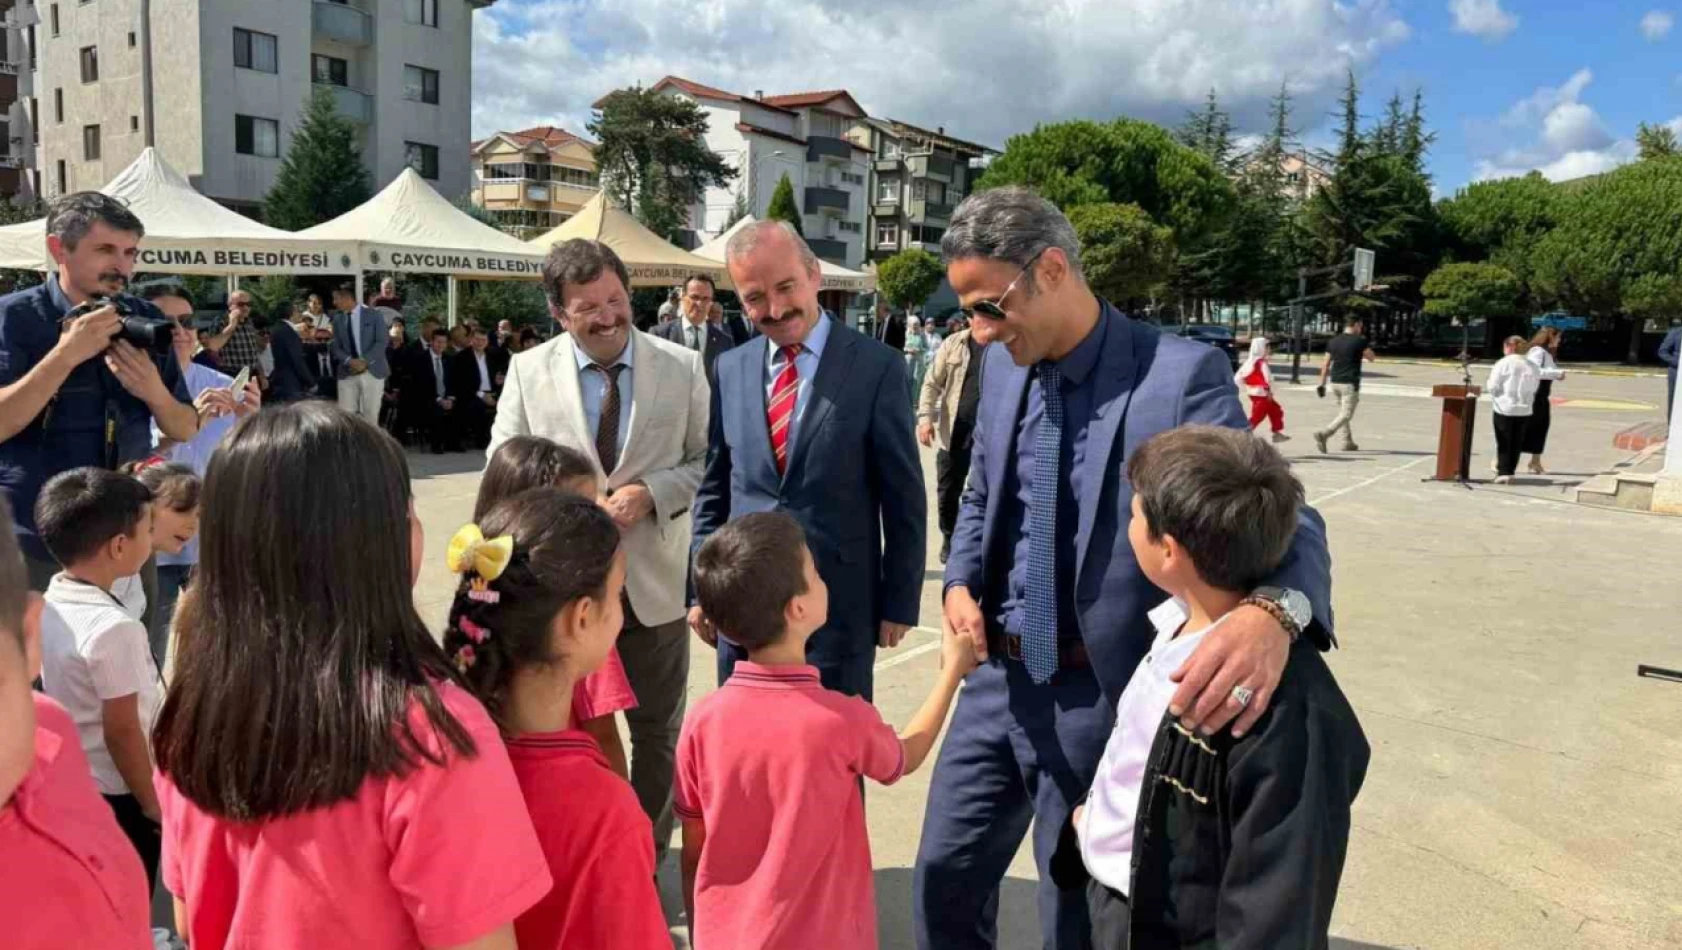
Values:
[(233, 283), (450, 285), (360, 296)]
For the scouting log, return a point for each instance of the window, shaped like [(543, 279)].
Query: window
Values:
[(576, 177), (134, 123), (847, 178), (254, 136), (90, 64), (420, 84), (63, 179), (131, 40), (421, 12), (887, 189), (330, 70), (851, 227), (422, 158), (58, 105), (887, 235), (257, 51), (90, 143), (53, 16)]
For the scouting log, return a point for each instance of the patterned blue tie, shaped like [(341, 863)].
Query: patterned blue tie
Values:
[(1039, 635)]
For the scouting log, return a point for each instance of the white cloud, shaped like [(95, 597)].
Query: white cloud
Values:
[(990, 69), (1482, 18), (1552, 131), (1656, 24)]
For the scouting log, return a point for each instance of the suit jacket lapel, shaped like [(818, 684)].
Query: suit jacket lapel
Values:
[(1001, 425), (1114, 375), (833, 368), (753, 400), (563, 370), (645, 392)]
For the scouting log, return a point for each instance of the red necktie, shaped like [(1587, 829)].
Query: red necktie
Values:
[(779, 413)]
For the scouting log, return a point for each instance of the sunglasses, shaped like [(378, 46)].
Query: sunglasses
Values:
[(994, 309)]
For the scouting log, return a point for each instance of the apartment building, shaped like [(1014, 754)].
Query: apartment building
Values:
[(917, 177), (533, 180), (219, 87), (17, 136), (803, 136)]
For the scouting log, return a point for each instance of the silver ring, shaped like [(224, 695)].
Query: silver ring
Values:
[(1242, 695)]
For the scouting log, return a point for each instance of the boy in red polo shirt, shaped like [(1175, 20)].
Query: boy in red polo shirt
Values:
[(65, 858), (775, 849)]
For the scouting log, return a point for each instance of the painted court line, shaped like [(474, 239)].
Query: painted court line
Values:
[(1316, 502), (914, 652)]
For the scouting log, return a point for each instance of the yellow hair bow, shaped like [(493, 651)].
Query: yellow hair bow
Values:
[(472, 551)]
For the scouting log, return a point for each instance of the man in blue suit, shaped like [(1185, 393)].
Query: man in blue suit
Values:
[(359, 357), (1670, 354), (1041, 574), (814, 418)]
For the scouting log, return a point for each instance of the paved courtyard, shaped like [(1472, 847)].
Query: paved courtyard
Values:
[(1525, 785)]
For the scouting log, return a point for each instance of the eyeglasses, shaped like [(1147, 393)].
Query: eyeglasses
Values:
[(994, 309)]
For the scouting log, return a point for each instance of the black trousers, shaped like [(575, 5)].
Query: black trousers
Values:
[(146, 834), (951, 468), (1110, 916), (1509, 442), (443, 429), (1541, 418)]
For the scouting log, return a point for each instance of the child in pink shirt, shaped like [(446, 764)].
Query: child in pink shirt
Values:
[(68, 868), (539, 609), (324, 779), (529, 461), (775, 849)]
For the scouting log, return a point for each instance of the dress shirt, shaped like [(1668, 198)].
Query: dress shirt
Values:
[(1513, 382), (1011, 604), (1544, 361), (354, 318), (439, 373), (806, 365), (695, 335), (484, 373), (590, 388)]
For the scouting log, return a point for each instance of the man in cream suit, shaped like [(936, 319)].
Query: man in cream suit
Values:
[(638, 406)]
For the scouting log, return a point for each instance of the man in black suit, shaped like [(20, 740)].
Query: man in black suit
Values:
[(476, 383), (436, 371), (319, 352), (294, 375), (692, 330)]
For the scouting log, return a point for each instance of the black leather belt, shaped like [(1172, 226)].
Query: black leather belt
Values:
[(1071, 654)]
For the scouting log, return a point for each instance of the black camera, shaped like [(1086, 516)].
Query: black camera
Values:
[(146, 333)]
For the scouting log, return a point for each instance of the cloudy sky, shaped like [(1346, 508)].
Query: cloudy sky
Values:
[(1510, 85)]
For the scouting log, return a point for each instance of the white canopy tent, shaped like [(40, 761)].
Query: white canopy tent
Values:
[(652, 261), (187, 233), (835, 277)]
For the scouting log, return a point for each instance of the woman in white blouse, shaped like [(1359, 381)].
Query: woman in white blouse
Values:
[(1544, 347)]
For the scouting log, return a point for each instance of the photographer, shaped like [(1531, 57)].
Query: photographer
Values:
[(79, 392)]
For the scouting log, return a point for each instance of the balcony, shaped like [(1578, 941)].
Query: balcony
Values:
[(931, 165), (826, 200), (344, 23), (886, 209), (833, 251), (929, 212), (820, 147), (355, 106), (889, 163)]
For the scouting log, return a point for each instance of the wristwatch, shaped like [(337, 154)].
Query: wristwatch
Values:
[(1290, 607)]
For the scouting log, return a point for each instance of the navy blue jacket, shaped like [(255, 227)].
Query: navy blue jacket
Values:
[(854, 480)]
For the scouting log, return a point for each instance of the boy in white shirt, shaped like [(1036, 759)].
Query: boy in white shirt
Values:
[(1513, 382), (1196, 840), (96, 659)]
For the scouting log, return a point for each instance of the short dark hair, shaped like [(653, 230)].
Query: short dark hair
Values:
[(747, 572), (704, 278), (70, 217), (440, 332), (564, 547), (303, 645), (580, 261), (157, 291), (84, 508), (1226, 496), (14, 576), (173, 485), (525, 462), (348, 290), (528, 335)]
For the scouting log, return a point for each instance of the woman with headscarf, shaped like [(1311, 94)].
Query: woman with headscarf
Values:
[(1544, 347), (1256, 378), (917, 355)]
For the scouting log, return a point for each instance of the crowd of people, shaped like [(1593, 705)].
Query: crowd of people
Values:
[(1131, 634)]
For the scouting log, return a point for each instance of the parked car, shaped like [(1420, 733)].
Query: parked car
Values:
[(1214, 334)]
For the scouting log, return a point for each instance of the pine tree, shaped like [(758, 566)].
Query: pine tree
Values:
[(782, 206), (654, 159), (322, 175), (1209, 131), (738, 211), (1387, 138), (1349, 142), (1415, 141)]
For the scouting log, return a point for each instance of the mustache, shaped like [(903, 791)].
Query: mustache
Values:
[(772, 319), (114, 277)]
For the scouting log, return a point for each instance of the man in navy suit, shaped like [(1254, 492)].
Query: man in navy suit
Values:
[(1041, 574), (814, 418), (1670, 354), (692, 330)]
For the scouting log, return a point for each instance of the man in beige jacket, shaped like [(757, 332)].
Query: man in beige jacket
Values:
[(946, 417), (638, 406)]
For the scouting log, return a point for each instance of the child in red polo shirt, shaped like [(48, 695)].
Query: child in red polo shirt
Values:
[(775, 849), (529, 461), (538, 610), (66, 860)]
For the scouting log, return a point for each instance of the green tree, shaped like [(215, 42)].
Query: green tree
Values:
[(738, 211), (1208, 131), (1655, 141), (1127, 257), (322, 175), (653, 156), (268, 293), (1502, 222), (1471, 291), (909, 277), (1654, 297), (783, 206)]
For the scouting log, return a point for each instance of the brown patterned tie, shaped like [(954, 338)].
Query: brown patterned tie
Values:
[(607, 427)]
